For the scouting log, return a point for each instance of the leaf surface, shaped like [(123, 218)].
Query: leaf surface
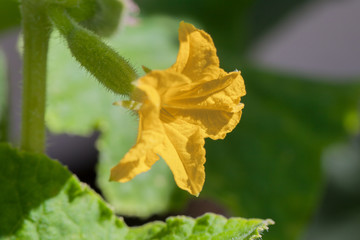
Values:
[(41, 199), (208, 226)]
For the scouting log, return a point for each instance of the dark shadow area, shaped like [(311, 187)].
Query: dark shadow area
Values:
[(77, 153)]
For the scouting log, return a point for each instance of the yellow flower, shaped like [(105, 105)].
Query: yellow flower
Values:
[(181, 106)]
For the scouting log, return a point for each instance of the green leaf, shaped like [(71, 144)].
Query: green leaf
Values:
[(77, 104), (9, 14), (41, 199), (208, 226), (3, 99)]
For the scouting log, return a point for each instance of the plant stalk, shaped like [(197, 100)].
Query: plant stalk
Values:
[(36, 32)]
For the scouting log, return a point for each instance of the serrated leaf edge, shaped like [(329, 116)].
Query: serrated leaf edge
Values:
[(264, 227)]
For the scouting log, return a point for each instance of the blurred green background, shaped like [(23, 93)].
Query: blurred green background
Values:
[(294, 156)]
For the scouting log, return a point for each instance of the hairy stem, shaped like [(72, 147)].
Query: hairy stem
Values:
[(36, 33), (110, 69)]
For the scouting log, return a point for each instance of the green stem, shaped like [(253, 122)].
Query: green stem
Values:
[(4, 100), (109, 68), (36, 33)]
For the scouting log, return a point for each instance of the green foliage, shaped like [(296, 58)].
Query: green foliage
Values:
[(78, 105), (9, 14), (3, 99), (208, 226), (41, 199)]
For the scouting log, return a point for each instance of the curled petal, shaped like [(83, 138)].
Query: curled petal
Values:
[(222, 94), (165, 82), (183, 151), (197, 57), (213, 105), (215, 124), (141, 157)]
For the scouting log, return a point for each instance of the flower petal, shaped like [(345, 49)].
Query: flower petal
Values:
[(181, 106), (141, 157), (215, 124), (223, 93), (213, 105), (183, 151), (197, 57), (166, 82)]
